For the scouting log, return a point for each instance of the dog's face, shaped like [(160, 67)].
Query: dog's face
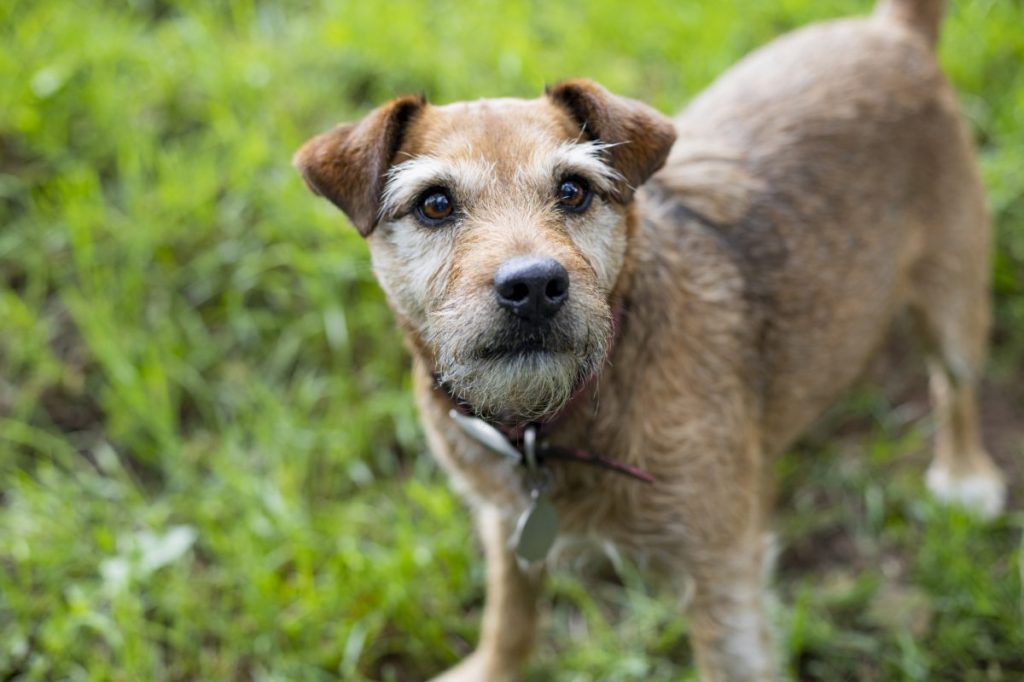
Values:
[(499, 230)]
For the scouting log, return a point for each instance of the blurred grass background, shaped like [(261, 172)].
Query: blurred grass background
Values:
[(210, 468)]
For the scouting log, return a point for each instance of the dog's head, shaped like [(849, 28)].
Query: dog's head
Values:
[(498, 229)]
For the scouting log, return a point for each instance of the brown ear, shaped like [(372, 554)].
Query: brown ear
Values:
[(642, 136), (348, 165)]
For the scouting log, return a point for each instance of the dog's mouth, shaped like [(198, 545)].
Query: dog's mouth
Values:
[(516, 378), (518, 342), (516, 370)]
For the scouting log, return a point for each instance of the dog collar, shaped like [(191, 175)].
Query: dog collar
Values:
[(537, 528), (536, 454)]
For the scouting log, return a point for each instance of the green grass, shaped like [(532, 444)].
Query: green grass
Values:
[(210, 468)]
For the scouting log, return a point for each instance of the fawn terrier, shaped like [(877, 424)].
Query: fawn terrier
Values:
[(618, 320)]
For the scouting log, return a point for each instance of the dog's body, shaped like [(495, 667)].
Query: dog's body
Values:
[(819, 187)]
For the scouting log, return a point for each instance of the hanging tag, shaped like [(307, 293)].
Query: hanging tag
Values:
[(536, 530), (538, 526)]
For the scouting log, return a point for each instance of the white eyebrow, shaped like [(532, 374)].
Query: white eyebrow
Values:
[(468, 177), (405, 181), (587, 159)]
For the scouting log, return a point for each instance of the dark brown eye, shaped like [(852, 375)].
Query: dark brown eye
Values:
[(574, 195), (435, 207)]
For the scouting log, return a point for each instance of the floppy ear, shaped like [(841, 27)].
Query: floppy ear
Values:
[(642, 137), (348, 165)]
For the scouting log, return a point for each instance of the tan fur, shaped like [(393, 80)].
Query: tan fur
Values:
[(823, 184)]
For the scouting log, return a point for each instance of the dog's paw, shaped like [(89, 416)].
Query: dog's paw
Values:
[(982, 492), (477, 668)]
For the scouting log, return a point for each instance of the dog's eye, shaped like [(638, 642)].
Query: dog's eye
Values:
[(574, 195), (435, 206)]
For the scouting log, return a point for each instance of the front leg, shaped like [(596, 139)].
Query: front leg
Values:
[(722, 504), (510, 609), (731, 631)]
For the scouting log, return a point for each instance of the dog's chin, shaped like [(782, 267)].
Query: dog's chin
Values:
[(520, 384)]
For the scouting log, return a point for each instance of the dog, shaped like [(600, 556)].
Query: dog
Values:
[(619, 320)]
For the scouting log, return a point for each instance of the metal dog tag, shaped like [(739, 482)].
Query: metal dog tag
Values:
[(536, 530), (485, 434)]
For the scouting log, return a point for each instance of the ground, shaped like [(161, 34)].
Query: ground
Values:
[(210, 468)]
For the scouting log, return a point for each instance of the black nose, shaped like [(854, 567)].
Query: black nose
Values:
[(531, 288)]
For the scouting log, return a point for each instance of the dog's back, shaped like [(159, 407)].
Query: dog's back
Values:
[(848, 189)]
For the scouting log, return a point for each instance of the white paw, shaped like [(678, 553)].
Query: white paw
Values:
[(476, 668), (983, 492)]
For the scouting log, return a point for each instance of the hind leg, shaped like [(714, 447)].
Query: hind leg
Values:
[(962, 472), (953, 306)]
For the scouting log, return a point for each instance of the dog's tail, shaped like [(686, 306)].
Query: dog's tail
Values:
[(923, 16)]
